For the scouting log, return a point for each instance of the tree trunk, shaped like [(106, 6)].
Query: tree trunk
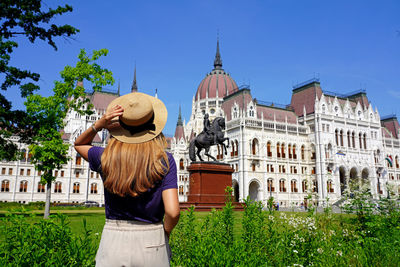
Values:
[(48, 197)]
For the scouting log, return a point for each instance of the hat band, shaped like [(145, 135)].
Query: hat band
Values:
[(147, 126)]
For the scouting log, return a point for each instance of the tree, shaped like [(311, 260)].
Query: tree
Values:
[(49, 152), (28, 19)]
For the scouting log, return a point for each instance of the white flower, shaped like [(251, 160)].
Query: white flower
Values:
[(339, 253), (295, 251), (320, 250), (96, 233)]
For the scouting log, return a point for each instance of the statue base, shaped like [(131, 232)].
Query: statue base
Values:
[(207, 184)]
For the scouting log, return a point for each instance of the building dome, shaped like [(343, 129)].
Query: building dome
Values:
[(217, 83)]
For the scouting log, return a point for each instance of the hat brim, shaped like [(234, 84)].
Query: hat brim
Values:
[(160, 119)]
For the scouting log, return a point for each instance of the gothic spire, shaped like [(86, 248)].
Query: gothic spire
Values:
[(179, 123), (119, 87), (217, 60), (134, 85)]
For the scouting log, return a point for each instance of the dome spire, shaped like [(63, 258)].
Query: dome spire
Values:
[(217, 60), (134, 85)]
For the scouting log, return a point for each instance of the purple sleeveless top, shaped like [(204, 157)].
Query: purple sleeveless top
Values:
[(147, 207)]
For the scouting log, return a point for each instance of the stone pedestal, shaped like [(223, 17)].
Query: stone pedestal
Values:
[(207, 184)]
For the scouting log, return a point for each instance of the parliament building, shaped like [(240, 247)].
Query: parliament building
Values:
[(323, 144)]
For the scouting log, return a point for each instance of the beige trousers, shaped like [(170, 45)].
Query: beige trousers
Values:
[(133, 243)]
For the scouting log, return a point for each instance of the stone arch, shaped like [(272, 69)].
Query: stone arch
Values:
[(235, 186), (342, 179), (364, 177), (254, 187)]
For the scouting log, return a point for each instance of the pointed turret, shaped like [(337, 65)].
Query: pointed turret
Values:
[(179, 132), (217, 60), (179, 123), (119, 87), (134, 85)]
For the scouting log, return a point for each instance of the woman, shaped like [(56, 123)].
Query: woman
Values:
[(140, 182)]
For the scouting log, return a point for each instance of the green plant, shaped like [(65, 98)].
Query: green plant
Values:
[(44, 243)]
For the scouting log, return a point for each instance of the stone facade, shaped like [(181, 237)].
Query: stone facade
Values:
[(321, 144)]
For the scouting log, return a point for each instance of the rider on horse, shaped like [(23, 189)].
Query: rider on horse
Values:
[(207, 129)]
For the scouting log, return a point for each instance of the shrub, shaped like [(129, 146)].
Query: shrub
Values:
[(44, 243)]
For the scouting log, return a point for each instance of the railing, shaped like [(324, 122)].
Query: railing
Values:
[(299, 85), (344, 95)]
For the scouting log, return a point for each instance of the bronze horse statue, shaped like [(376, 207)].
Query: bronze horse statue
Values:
[(206, 140)]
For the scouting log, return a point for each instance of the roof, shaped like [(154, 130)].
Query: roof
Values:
[(216, 84), (392, 125), (304, 96), (100, 100), (179, 132)]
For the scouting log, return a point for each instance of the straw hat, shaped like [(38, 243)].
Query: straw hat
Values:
[(143, 119)]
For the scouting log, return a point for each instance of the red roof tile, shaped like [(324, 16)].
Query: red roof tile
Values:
[(305, 96)]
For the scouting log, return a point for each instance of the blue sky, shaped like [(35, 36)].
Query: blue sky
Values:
[(269, 45)]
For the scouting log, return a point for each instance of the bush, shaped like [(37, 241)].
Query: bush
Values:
[(44, 243), (366, 237)]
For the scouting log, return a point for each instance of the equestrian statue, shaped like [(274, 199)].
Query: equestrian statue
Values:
[(211, 135)]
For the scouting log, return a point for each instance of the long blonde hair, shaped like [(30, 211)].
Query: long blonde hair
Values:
[(131, 169)]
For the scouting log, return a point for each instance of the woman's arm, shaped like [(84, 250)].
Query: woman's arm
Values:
[(84, 142), (171, 207)]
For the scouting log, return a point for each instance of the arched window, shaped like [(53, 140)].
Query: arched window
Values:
[(302, 153), (278, 150), (41, 188), (29, 157), (181, 166), (23, 155), (78, 159), (254, 146), (283, 151), (220, 152), (57, 187), (23, 186), (313, 157), (337, 137), (365, 141), (348, 139), (269, 152), (329, 186), (93, 188), (181, 190), (76, 188), (360, 140), (293, 186), (397, 162), (232, 149), (236, 147), (315, 186), (341, 137), (353, 139), (290, 151), (270, 185), (304, 186), (294, 152), (282, 187), (5, 186)]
